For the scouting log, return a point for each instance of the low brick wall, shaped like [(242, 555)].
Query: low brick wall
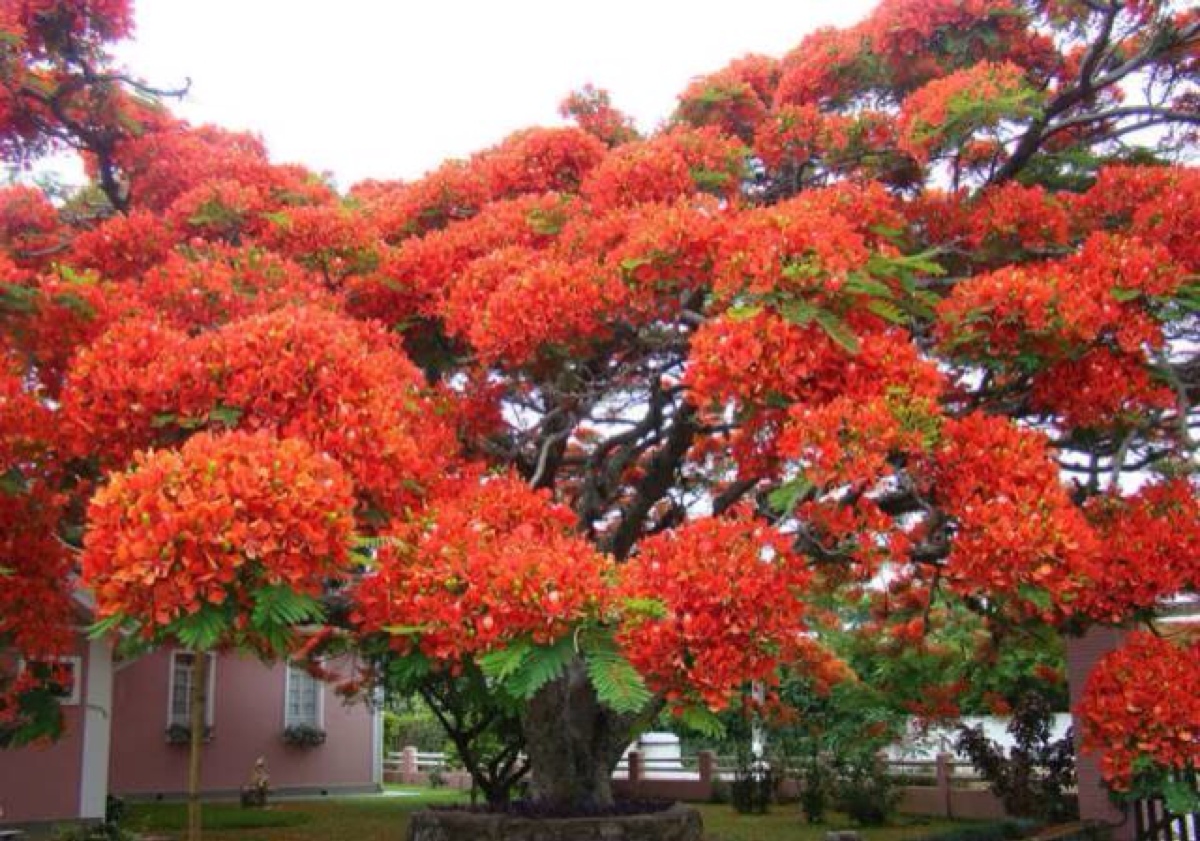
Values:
[(686, 788), (948, 798), (967, 803)]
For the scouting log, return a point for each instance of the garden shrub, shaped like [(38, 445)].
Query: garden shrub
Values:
[(864, 791)]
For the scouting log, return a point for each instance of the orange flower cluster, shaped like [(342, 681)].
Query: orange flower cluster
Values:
[(489, 564), (592, 109), (1017, 529), (1139, 706), (35, 605), (338, 384), (795, 134), (1157, 204), (1084, 315), (666, 167), (213, 523), (1149, 549), (728, 589), (958, 104), (122, 247)]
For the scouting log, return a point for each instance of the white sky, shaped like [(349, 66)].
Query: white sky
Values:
[(390, 88)]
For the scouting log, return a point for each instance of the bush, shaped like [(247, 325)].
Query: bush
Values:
[(1033, 778), (752, 788), (813, 799), (865, 793)]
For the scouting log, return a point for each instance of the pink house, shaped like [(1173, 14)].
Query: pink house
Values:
[(119, 716)]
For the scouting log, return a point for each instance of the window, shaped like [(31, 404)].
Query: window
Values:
[(63, 673), (302, 704), (179, 701)]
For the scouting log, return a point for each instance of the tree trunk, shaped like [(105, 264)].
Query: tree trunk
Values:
[(573, 742), (198, 702)]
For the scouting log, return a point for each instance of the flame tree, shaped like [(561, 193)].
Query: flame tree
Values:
[(909, 312)]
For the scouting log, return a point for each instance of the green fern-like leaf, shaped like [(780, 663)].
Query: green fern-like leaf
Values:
[(703, 721), (542, 665), (618, 684), (278, 605), (837, 330), (500, 665), (203, 629), (888, 311), (406, 673)]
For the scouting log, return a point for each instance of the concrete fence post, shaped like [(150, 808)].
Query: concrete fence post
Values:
[(408, 760), (635, 767), (945, 771), (706, 764)]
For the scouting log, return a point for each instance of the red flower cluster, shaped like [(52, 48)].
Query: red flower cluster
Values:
[(592, 109), (1057, 313), (1139, 705), (540, 161), (666, 167), (214, 522), (798, 247), (796, 134), (338, 384), (1100, 390), (957, 105), (1149, 549), (122, 247), (1157, 204), (488, 564), (729, 592), (30, 231), (1017, 527), (726, 100)]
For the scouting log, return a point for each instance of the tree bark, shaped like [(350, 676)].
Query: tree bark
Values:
[(573, 742), (198, 701)]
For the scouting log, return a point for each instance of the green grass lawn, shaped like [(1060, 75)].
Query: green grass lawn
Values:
[(386, 818)]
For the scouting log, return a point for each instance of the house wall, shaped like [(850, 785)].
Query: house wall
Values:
[(1094, 803), (248, 719), (42, 782)]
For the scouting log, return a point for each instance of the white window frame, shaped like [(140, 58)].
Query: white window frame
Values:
[(210, 695), (288, 721), (75, 662)]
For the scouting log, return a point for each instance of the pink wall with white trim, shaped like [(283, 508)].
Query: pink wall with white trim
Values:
[(248, 719), (41, 782), (1094, 803)]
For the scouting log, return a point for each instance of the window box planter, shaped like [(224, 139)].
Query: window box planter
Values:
[(303, 736), (181, 734)]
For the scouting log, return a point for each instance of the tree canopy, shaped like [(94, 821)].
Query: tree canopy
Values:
[(908, 315)]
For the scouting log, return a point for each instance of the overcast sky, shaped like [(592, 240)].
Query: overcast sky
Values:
[(390, 88)]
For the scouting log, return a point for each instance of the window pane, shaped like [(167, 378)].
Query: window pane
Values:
[(181, 689), (303, 697)]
